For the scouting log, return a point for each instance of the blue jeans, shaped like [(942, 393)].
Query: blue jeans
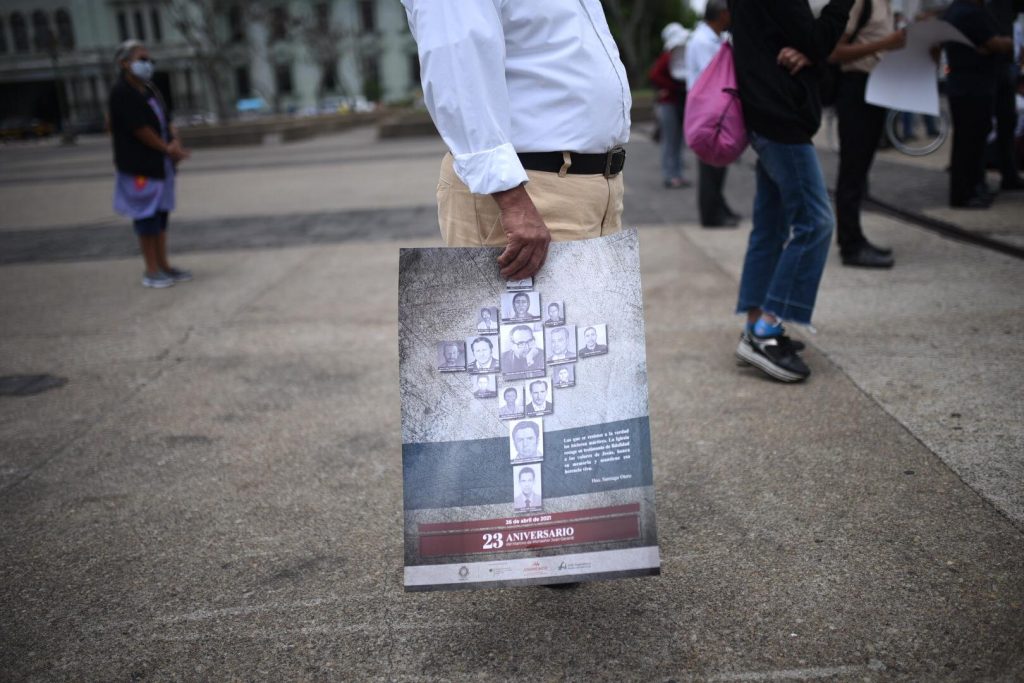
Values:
[(793, 223), (670, 120)]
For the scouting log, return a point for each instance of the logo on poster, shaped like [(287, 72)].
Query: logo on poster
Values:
[(535, 566), (463, 571)]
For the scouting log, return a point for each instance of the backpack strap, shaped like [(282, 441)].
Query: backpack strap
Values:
[(862, 20)]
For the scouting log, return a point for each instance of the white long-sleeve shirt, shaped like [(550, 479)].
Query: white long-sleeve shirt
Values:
[(507, 76), (700, 50)]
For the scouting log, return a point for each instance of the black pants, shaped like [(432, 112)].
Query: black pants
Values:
[(711, 201), (972, 121), (860, 127), (1006, 121)]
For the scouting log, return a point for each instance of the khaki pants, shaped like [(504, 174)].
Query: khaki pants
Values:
[(574, 207)]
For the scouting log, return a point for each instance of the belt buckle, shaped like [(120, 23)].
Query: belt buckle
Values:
[(614, 161)]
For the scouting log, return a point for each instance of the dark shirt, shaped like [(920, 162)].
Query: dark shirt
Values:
[(130, 110), (670, 91), (970, 73), (778, 106)]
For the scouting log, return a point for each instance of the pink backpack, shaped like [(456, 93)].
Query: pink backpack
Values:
[(714, 125)]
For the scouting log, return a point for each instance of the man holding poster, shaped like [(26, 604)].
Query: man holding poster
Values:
[(533, 102)]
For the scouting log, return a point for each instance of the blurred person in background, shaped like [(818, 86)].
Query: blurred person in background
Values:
[(702, 47), (668, 75), (869, 32), (146, 153), (971, 88), (1004, 14)]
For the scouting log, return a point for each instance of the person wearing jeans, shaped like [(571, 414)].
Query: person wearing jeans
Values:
[(667, 76), (774, 46), (789, 243)]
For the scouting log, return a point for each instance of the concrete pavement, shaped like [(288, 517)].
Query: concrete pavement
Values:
[(215, 493)]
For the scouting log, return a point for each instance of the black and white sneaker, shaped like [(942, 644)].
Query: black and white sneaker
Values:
[(776, 356)]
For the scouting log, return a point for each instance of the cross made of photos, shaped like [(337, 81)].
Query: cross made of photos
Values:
[(520, 342)]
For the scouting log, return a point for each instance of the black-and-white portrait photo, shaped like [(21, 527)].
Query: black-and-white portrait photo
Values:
[(564, 376), (451, 356), (510, 404), (538, 398), (487, 320), (483, 354), (519, 285), (554, 313), (520, 307), (526, 487), (485, 386), (522, 351), (560, 344), (526, 441), (592, 340)]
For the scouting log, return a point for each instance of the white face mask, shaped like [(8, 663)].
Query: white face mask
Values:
[(142, 69)]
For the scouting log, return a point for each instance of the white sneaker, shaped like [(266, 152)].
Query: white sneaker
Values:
[(157, 280)]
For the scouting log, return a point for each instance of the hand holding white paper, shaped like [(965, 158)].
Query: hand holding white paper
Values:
[(907, 79)]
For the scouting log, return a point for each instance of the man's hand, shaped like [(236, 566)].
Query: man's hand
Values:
[(528, 236), (176, 152), (897, 40), (792, 60)]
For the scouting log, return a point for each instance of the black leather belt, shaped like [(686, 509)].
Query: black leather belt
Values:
[(608, 164)]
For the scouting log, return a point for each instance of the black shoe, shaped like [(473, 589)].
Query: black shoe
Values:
[(732, 214), (723, 222), (1012, 184), (773, 356), (562, 586), (866, 257), (975, 202), (785, 342), (884, 251)]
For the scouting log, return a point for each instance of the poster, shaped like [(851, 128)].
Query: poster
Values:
[(526, 445), (907, 79)]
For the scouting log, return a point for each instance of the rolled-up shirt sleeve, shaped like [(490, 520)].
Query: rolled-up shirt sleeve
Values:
[(462, 68)]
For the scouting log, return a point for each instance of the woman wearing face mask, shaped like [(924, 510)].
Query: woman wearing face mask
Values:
[(146, 153)]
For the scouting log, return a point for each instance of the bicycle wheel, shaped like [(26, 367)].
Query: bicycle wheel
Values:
[(916, 145)]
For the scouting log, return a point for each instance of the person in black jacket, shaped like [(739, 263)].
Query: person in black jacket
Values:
[(780, 49), (971, 86), (145, 155)]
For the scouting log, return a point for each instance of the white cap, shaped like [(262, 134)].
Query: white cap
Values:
[(674, 35)]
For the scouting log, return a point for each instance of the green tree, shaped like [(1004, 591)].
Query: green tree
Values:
[(636, 26)]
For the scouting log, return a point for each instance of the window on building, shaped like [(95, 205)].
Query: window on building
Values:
[(3, 37), (236, 24), (371, 79), (330, 80), (19, 31), (158, 30), (322, 13), (140, 25), (367, 16), (278, 23), (65, 32), (42, 37), (242, 85), (283, 78), (122, 26)]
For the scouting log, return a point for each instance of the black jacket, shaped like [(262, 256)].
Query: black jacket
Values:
[(130, 110), (778, 106)]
